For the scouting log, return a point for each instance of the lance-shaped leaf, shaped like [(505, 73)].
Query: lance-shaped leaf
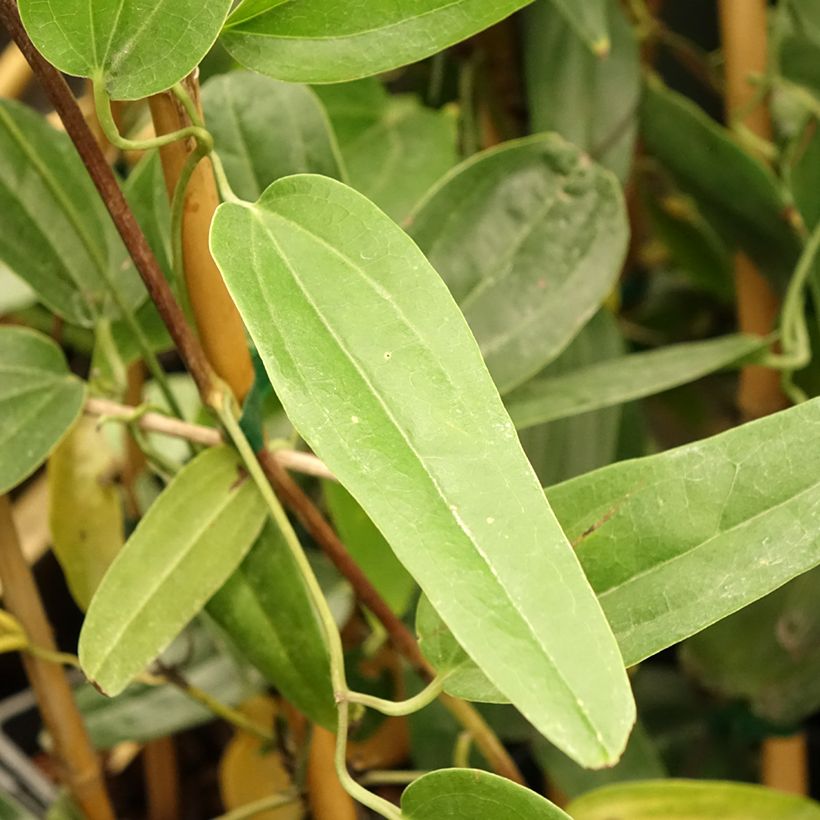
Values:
[(623, 379), (264, 130), (85, 509), (589, 21), (265, 609), (474, 794), (734, 189), (325, 41), (181, 552), (138, 47), (692, 800), (39, 401), (55, 232), (529, 237), (674, 542), (378, 371)]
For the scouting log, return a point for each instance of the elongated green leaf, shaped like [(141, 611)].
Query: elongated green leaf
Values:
[(265, 609), (182, 551), (674, 542), (85, 514), (569, 447), (139, 47), (15, 294), (685, 538), (142, 713), (589, 21), (39, 401), (369, 548), (378, 371), (733, 188), (354, 107), (768, 653), (803, 166), (472, 794), (592, 101), (529, 237), (629, 377), (55, 233), (329, 41), (264, 130), (395, 160), (692, 800)]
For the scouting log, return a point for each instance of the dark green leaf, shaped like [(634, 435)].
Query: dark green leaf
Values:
[(376, 368), (138, 47), (692, 800), (615, 381), (327, 41), (488, 228), (472, 794), (39, 401), (55, 233), (265, 609), (264, 130), (592, 101), (182, 551)]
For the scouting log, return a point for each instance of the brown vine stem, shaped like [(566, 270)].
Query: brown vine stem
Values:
[(200, 369), (744, 35), (77, 761)]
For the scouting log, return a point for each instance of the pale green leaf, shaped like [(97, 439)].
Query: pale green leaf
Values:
[(768, 653), (733, 188), (39, 401), (692, 800), (369, 548), (674, 542), (376, 368), (623, 379), (472, 794), (85, 514), (265, 609), (332, 41), (55, 233), (15, 294), (264, 130), (138, 47), (529, 237), (591, 101), (354, 107), (181, 552)]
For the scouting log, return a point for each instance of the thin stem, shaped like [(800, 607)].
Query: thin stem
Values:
[(392, 777), (222, 184), (178, 214), (275, 801), (400, 708), (461, 751), (112, 134)]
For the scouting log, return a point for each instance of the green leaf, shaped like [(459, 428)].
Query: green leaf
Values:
[(488, 228), (592, 101), (400, 154), (354, 107), (714, 537), (732, 188), (138, 48), (369, 548), (806, 17), (10, 809), (472, 794), (692, 800), (589, 21), (264, 130), (804, 166), (563, 449), (181, 552), (85, 514), (327, 41), (15, 294), (615, 381), (265, 609), (55, 233), (39, 401), (142, 713), (377, 370), (641, 761), (768, 653)]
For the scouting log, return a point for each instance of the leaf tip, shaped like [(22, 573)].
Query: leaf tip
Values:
[(601, 47)]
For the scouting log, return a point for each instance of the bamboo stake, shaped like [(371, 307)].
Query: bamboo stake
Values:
[(77, 761), (161, 779), (220, 327), (744, 36)]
